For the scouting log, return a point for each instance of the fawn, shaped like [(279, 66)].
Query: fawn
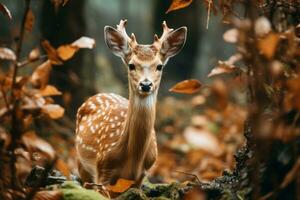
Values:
[(115, 137)]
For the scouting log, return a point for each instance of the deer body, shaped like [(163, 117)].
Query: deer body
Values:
[(115, 137)]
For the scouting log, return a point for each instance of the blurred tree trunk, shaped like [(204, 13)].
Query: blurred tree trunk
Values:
[(61, 26), (182, 66)]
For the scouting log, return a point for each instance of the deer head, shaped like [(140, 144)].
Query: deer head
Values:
[(144, 62)]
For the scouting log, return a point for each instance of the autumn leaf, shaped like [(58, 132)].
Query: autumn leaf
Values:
[(51, 52), (7, 54), (34, 54), (33, 143), (48, 195), (121, 186), (226, 66), (65, 52), (50, 90), (29, 21), (231, 35), (5, 11), (40, 76), (268, 44), (84, 42), (187, 87), (54, 111), (63, 167), (178, 4)]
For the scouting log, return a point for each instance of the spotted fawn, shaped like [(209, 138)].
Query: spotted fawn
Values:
[(115, 137)]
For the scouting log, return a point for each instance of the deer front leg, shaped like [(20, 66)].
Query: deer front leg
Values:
[(85, 176)]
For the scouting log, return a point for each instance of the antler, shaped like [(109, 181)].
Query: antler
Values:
[(131, 40), (166, 30)]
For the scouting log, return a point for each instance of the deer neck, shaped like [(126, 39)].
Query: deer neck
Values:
[(138, 128)]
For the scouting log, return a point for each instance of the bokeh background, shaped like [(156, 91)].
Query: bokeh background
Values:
[(197, 134)]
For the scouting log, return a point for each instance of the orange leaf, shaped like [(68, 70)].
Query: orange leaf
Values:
[(54, 111), (84, 42), (121, 186), (179, 4), (231, 35), (50, 90), (7, 54), (49, 195), (187, 87), (5, 11), (65, 52), (40, 76), (268, 45), (34, 54), (62, 166), (51, 53), (29, 21)]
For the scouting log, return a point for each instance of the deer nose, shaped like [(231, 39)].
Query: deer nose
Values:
[(146, 86)]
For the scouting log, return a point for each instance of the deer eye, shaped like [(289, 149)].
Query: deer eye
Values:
[(159, 67), (131, 67)]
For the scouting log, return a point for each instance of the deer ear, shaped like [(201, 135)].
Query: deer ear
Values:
[(117, 43), (174, 42)]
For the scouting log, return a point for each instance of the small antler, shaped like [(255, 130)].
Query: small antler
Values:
[(166, 30), (121, 27)]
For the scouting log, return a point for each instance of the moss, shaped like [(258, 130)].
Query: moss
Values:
[(73, 191)]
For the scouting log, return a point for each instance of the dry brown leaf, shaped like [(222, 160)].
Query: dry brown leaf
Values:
[(29, 21), (231, 35), (268, 44), (61, 166), (221, 69), (121, 186), (35, 144), (51, 52), (34, 54), (84, 42), (179, 4), (50, 90), (7, 54), (65, 52), (5, 11), (40, 76), (187, 87), (54, 111), (202, 139), (48, 195)]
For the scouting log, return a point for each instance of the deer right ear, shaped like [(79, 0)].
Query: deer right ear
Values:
[(117, 43)]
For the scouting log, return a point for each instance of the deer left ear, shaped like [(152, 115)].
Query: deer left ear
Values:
[(173, 43)]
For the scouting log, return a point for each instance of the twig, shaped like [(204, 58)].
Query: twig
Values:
[(208, 13), (190, 174), (27, 61), (15, 132)]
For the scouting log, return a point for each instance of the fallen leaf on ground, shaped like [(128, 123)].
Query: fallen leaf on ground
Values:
[(121, 186)]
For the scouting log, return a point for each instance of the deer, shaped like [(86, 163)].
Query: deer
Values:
[(115, 137)]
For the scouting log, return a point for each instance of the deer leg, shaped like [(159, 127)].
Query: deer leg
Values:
[(85, 176)]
